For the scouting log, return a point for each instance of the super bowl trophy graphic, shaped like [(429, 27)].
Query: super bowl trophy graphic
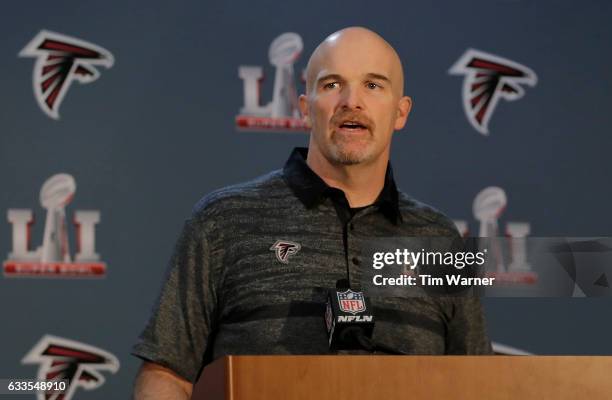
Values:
[(282, 113), (56, 193), (488, 205), (284, 51), (53, 258)]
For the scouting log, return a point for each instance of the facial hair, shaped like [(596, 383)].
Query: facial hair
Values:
[(341, 151)]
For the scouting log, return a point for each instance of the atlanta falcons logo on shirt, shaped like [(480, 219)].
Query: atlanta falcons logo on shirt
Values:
[(60, 60), (77, 362), (284, 249), (487, 79)]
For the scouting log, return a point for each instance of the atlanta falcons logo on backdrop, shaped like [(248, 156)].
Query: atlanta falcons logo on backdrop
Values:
[(77, 362), (284, 249), (61, 59), (487, 79)]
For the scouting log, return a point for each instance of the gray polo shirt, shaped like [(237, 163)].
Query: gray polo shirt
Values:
[(251, 270)]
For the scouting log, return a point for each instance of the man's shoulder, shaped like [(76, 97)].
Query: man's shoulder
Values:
[(414, 211), (258, 192)]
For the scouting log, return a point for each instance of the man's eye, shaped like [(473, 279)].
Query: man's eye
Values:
[(372, 85), (330, 85)]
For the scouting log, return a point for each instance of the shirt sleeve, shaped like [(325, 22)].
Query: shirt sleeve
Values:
[(178, 333)]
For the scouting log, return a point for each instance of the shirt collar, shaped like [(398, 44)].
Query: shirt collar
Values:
[(311, 189)]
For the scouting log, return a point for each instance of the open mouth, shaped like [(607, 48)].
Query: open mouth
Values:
[(352, 125)]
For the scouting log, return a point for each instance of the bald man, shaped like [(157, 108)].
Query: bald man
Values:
[(354, 102), (252, 267)]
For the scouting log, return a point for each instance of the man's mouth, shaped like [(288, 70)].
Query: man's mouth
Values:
[(352, 126)]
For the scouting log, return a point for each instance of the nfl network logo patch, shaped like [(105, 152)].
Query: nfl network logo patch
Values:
[(351, 302)]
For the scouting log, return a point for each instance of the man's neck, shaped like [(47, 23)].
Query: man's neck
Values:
[(361, 183)]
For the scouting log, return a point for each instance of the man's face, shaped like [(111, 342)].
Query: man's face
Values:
[(354, 100)]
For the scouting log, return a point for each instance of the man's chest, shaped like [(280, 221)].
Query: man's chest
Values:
[(273, 265)]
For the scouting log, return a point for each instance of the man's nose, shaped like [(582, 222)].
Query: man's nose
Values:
[(351, 98)]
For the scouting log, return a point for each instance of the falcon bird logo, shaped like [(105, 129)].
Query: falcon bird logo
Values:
[(284, 249), (487, 79), (60, 60), (77, 362)]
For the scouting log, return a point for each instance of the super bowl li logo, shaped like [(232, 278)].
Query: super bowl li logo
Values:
[(510, 265), (53, 258), (282, 113)]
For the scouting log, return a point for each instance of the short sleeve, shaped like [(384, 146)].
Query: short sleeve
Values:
[(178, 332)]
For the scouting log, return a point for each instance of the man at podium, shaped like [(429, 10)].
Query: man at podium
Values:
[(252, 268)]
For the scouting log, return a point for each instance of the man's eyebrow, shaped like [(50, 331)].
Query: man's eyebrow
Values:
[(329, 77), (369, 75), (373, 75)]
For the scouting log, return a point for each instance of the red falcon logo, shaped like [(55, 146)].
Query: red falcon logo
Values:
[(284, 249), (77, 362), (487, 79), (60, 60)]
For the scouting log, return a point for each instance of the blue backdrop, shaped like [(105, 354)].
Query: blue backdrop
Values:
[(156, 131)]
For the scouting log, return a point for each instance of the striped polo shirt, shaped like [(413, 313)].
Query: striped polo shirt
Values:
[(251, 270)]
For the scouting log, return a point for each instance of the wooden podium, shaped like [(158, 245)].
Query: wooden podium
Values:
[(406, 377)]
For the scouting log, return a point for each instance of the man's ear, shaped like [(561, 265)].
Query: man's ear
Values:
[(403, 109), (303, 104)]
